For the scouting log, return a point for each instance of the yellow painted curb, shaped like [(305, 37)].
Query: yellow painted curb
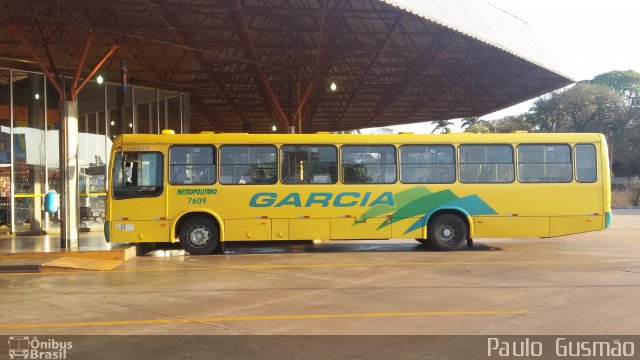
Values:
[(119, 254), (80, 264)]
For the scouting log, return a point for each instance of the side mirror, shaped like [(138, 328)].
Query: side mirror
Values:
[(51, 201)]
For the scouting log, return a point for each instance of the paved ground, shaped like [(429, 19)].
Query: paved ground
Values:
[(579, 284)]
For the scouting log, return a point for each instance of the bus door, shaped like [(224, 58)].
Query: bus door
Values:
[(138, 186)]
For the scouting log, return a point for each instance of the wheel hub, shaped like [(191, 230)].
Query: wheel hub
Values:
[(199, 236), (447, 233)]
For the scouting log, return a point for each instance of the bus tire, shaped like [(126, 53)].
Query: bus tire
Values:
[(447, 232), (199, 236)]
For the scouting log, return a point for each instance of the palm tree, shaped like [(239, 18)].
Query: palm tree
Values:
[(442, 125), (474, 120)]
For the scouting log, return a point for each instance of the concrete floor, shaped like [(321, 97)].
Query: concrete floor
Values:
[(579, 284)]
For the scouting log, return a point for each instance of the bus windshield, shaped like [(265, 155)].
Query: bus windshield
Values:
[(137, 174)]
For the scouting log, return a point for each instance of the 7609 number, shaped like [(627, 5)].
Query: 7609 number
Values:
[(196, 200)]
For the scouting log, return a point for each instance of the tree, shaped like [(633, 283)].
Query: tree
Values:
[(589, 107), (582, 108), (470, 121), (481, 127), (509, 124), (607, 104), (626, 82), (626, 144), (443, 126)]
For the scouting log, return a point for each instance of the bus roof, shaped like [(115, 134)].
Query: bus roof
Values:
[(455, 138)]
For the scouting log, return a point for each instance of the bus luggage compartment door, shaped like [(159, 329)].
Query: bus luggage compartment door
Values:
[(309, 229), (565, 225), (247, 229), (511, 226), (360, 227)]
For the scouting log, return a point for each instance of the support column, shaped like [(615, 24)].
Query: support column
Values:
[(68, 136), (35, 170), (298, 107), (69, 175), (121, 110)]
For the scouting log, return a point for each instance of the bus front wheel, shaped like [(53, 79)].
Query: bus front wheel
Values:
[(199, 236), (447, 232)]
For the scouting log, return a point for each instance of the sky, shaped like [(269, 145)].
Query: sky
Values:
[(586, 37)]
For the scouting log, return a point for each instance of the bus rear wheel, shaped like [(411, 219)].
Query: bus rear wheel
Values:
[(199, 236), (447, 232)]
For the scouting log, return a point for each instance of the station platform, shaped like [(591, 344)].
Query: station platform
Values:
[(42, 253)]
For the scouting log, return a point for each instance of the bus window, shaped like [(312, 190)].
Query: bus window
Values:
[(192, 165), (248, 164), (362, 164), (486, 164), (427, 164), (544, 163), (586, 163), (137, 174), (309, 164)]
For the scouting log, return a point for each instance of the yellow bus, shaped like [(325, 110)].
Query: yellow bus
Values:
[(203, 189)]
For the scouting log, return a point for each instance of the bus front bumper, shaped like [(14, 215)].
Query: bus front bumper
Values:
[(607, 219)]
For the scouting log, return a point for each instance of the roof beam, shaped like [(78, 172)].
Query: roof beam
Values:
[(330, 21), (184, 41), (45, 45), (35, 57), (365, 76), (83, 58), (95, 69), (243, 31), (415, 69)]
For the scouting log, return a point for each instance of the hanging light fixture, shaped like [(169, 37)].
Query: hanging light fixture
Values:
[(100, 79)]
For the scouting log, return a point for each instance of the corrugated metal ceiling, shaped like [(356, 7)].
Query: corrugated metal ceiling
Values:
[(395, 61), (486, 22)]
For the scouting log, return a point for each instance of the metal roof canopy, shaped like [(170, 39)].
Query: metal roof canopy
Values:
[(394, 61)]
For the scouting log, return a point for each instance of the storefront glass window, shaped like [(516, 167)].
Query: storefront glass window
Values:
[(120, 111), (146, 111), (30, 146), (5, 149), (170, 110), (29, 151), (91, 155)]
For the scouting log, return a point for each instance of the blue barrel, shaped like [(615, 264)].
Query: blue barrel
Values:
[(51, 201)]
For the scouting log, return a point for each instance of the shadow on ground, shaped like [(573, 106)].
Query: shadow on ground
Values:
[(290, 247)]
